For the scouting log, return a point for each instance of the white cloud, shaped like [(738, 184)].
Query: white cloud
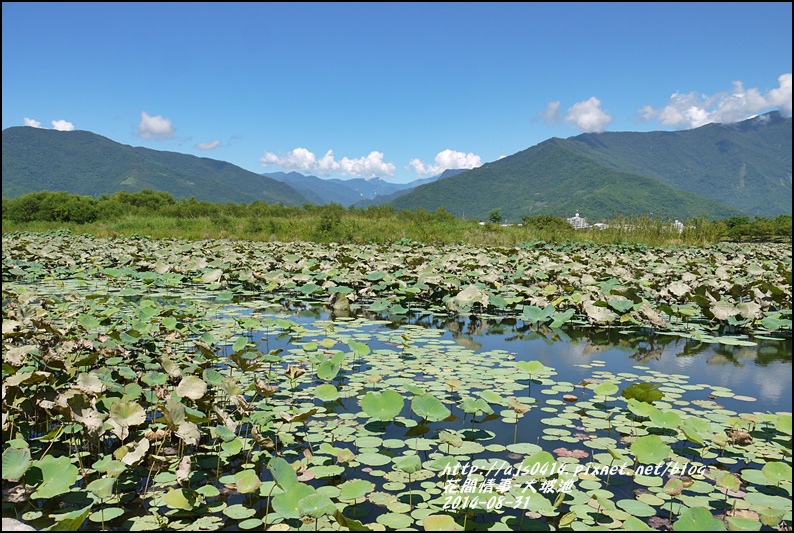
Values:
[(155, 127), (447, 159), (552, 112), (692, 110), (32, 123), (327, 165), (209, 146), (62, 125), (368, 167), (781, 96), (588, 115), (303, 160)]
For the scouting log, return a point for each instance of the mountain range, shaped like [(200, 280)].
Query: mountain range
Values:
[(81, 162), (357, 192), (717, 170)]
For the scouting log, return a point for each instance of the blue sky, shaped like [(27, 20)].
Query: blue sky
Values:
[(396, 90)]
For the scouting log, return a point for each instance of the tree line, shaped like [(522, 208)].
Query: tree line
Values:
[(59, 206)]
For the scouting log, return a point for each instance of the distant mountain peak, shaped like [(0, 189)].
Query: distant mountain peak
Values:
[(82, 162)]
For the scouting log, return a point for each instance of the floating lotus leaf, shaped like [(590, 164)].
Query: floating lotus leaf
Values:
[(777, 472), (395, 520), (354, 489), (650, 449), (373, 459), (606, 388), (539, 464), (440, 522), (236, 511), (783, 424), (327, 471), (106, 514), (250, 523), (383, 406), (635, 524), (326, 392), (57, 474)]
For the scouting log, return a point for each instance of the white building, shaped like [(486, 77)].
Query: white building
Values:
[(578, 222)]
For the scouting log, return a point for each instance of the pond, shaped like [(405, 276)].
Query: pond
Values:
[(144, 395)]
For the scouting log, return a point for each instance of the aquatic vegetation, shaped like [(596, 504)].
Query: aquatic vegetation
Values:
[(152, 385)]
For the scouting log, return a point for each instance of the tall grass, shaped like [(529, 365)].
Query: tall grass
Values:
[(352, 227)]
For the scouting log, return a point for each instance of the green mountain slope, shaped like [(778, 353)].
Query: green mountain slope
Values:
[(552, 179), (746, 165), (82, 162)]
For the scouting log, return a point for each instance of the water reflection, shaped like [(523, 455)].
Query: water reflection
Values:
[(763, 371)]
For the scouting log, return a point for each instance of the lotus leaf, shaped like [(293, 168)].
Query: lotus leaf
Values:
[(283, 473), (429, 407), (57, 475), (410, 464), (777, 472), (328, 370), (440, 522), (643, 392), (354, 489), (180, 499), (665, 419), (326, 393), (287, 503), (316, 506), (16, 462), (606, 388), (650, 449), (383, 406), (698, 519), (102, 488), (635, 524)]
